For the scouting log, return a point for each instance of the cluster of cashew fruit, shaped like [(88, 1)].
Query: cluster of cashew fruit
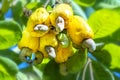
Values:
[(54, 34)]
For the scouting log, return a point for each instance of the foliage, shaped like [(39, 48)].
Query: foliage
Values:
[(103, 17)]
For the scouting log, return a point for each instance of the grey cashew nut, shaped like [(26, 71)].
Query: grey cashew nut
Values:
[(41, 27), (60, 23), (51, 51), (90, 44)]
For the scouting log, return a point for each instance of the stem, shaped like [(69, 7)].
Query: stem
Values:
[(46, 3), (91, 70), (78, 75), (84, 71)]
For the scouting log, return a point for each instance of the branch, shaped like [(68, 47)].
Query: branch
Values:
[(91, 70), (46, 3), (85, 68), (78, 75)]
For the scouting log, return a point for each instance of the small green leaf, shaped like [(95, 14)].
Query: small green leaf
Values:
[(8, 66), (76, 62), (100, 72), (10, 34), (105, 24), (49, 8), (85, 3), (63, 39), (5, 5), (31, 5)]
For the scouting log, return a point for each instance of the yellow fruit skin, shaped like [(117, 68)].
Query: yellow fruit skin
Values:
[(40, 16), (47, 40), (62, 10), (78, 30), (28, 41), (62, 54)]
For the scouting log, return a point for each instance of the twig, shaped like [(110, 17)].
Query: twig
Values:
[(91, 70), (85, 68), (46, 3), (78, 75)]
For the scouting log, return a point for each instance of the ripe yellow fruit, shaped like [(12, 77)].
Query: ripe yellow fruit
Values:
[(62, 54), (28, 41), (62, 10), (47, 40), (78, 30), (39, 16)]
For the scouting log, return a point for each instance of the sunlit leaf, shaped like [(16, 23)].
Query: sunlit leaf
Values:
[(113, 38), (85, 2), (4, 76), (114, 51), (10, 33), (31, 5), (8, 66), (104, 24)]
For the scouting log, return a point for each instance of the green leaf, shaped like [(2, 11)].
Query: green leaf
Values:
[(105, 24), (10, 34), (113, 38), (8, 66), (5, 5), (49, 8), (108, 4), (11, 55), (31, 72), (51, 72), (4, 76), (17, 11), (78, 10), (100, 72), (114, 51), (109, 56), (76, 62), (31, 5), (85, 3)]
